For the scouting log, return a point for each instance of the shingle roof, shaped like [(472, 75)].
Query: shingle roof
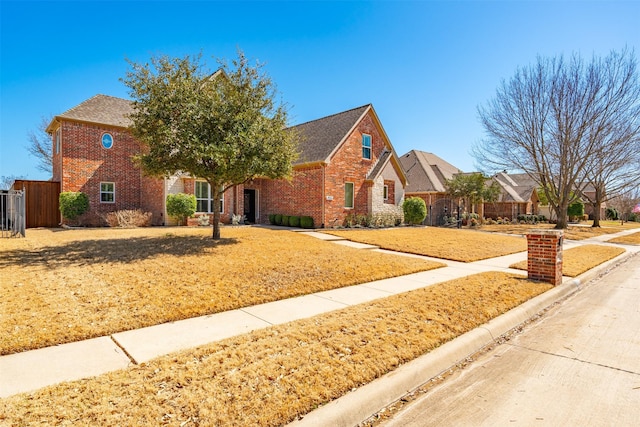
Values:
[(383, 159), (515, 187), (319, 138), (426, 172), (102, 109)]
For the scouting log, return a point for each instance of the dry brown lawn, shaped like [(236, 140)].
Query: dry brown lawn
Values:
[(629, 239), (576, 261), (270, 377), (574, 232), (61, 286), (444, 243)]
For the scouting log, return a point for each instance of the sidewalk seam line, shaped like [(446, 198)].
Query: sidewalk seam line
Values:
[(124, 350)]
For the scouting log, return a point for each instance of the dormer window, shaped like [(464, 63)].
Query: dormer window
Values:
[(366, 146)]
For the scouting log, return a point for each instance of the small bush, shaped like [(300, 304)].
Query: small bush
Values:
[(129, 218), (294, 221), (73, 204), (285, 220), (306, 222), (272, 219), (181, 206), (415, 210), (575, 210), (278, 219)]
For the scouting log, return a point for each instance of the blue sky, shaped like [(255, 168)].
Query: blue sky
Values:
[(424, 65)]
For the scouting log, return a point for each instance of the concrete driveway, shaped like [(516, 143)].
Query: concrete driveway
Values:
[(578, 366)]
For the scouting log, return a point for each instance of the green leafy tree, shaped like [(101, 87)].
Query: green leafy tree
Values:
[(181, 206), (473, 188), (415, 210), (225, 127)]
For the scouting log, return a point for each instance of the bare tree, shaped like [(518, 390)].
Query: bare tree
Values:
[(553, 119), (7, 181), (41, 147), (626, 201)]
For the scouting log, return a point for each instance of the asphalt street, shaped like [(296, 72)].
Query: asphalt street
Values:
[(579, 365)]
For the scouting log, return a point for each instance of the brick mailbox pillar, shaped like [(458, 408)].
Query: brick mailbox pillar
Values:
[(544, 261)]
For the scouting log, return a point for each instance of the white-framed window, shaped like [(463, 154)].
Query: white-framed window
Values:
[(366, 146), (204, 198), (348, 195), (107, 192), (385, 192)]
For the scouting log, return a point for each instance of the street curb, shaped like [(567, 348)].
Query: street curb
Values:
[(355, 407)]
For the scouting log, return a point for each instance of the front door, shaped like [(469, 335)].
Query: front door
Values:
[(250, 205)]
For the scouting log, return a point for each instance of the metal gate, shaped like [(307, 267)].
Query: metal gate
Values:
[(12, 213)]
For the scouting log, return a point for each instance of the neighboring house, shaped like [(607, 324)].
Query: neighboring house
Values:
[(518, 196), (427, 175), (347, 165), (589, 193)]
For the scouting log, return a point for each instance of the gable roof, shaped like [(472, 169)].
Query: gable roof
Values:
[(103, 109), (515, 187), (319, 138), (427, 172)]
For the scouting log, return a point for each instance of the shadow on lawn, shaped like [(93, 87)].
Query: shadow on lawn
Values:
[(87, 252)]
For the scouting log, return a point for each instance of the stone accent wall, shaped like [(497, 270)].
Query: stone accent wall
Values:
[(544, 259), (395, 198)]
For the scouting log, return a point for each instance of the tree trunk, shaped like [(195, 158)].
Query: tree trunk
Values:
[(597, 203), (561, 213), (215, 189), (596, 215)]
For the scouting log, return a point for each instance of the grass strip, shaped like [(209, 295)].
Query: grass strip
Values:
[(451, 244), (629, 239), (61, 286), (573, 232), (271, 376), (576, 261)]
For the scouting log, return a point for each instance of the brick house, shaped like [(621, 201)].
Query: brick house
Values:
[(346, 165), (518, 196), (427, 175)]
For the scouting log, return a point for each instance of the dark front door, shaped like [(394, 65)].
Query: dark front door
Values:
[(250, 205)]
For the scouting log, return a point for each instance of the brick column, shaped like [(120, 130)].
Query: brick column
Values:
[(544, 261)]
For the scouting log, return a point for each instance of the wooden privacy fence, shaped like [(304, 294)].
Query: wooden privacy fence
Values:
[(12, 213), (42, 202)]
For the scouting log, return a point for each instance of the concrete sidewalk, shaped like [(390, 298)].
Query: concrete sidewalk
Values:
[(578, 365), (31, 370)]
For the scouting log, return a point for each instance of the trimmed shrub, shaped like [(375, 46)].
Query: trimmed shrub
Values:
[(285, 220), (306, 222), (612, 214), (181, 206), (73, 204), (415, 210), (129, 218), (278, 219), (272, 219), (575, 210), (294, 221)]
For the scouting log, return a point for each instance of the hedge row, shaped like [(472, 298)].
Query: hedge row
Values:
[(291, 220)]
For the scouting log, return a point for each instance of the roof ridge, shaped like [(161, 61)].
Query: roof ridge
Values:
[(332, 115)]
